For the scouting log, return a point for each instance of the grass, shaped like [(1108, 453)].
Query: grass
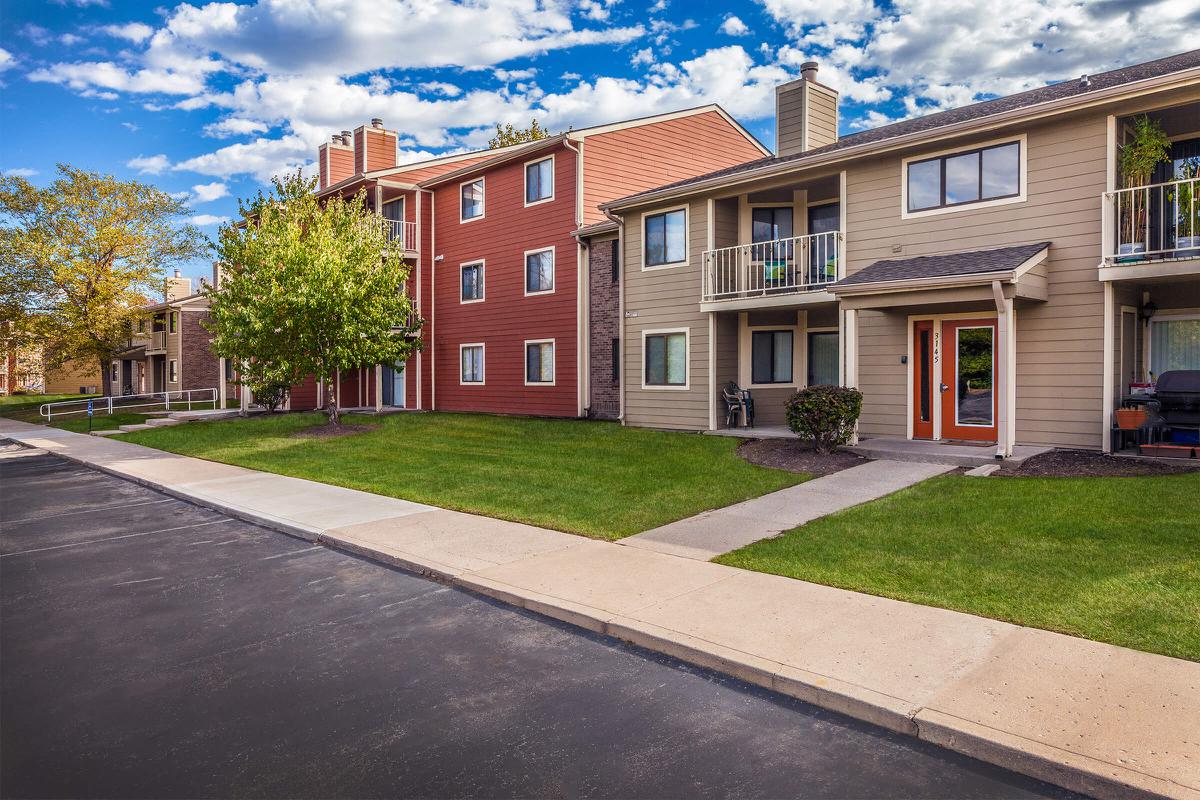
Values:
[(101, 423), (1111, 559), (24, 407), (592, 478)]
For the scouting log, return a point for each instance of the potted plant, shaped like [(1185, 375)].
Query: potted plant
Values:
[(1187, 209), (1146, 148)]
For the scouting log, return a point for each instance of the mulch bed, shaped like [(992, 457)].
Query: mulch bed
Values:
[(1091, 464), (795, 456), (328, 431)]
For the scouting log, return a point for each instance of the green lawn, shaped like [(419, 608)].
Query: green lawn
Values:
[(593, 478), (24, 407), (1111, 559), (101, 422)]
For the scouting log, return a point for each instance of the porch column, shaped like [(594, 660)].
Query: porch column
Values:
[(221, 388), (1106, 392), (849, 340), (379, 388), (1005, 388)]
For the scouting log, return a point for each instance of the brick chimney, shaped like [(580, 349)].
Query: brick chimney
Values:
[(806, 113), (177, 287), (374, 147), (335, 160)]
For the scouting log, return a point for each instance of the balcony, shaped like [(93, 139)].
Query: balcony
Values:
[(403, 232), (156, 343), (765, 273)]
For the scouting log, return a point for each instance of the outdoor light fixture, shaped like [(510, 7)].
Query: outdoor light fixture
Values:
[(1147, 310)]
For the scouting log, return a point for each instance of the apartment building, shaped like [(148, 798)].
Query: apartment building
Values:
[(512, 259), (981, 274)]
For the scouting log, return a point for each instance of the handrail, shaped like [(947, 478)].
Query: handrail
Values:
[(401, 231), (156, 340), (779, 266), (110, 404), (1160, 220)]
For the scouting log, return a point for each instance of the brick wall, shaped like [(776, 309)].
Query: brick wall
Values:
[(200, 368), (604, 306)]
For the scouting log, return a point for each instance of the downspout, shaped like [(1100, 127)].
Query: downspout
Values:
[(432, 305), (620, 313), (582, 308)]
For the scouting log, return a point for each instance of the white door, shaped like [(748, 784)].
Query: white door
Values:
[(398, 386)]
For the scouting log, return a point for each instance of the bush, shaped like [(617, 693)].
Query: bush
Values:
[(824, 415), (272, 395)]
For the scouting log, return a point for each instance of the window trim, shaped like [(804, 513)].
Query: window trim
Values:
[(1022, 177), (808, 334), (482, 364), (687, 354), (525, 180), (482, 181), (172, 370), (773, 329), (1165, 315), (746, 333), (553, 270), (687, 230), (482, 264), (553, 362), (173, 322)]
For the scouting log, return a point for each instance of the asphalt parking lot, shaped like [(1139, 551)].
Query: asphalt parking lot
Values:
[(152, 648)]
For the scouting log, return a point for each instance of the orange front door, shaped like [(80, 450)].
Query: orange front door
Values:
[(968, 356), (924, 372)]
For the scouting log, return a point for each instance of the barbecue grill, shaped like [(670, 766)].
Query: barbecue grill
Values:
[(1178, 396)]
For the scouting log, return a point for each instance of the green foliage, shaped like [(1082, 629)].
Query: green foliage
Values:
[(271, 394), (79, 257), (507, 135), (309, 288), (1147, 147), (824, 415), (1187, 204)]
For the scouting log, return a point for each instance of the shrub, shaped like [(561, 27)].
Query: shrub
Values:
[(824, 415), (270, 394)]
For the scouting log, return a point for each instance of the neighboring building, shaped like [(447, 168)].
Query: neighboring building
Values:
[(512, 258), (80, 376), (20, 369), (171, 352), (972, 271)]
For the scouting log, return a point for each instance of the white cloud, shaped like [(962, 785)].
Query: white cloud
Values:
[(99, 75), (508, 75), (262, 158), (149, 165), (36, 34), (733, 26), (132, 126), (204, 220), (643, 56), (6, 60), (70, 39), (234, 126), (21, 172), (208, 192), (570, 76), (136, 32), (81, 3), (442, 88)]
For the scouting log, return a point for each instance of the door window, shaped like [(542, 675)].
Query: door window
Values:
[(975, 372)]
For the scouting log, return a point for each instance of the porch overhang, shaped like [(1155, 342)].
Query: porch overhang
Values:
[(800, 299), (965, 277), (1167, 268)]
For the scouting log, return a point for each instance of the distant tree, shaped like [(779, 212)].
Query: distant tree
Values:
[(309, 288), (507, 134), (79, 257)]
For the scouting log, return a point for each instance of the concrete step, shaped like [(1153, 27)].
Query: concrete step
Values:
[(106, 433), (132, 428), (206, 414), (926, 453), (163, 422)]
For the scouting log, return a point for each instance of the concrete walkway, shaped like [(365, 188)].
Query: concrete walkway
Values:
[(1102, 720), (721, 530)]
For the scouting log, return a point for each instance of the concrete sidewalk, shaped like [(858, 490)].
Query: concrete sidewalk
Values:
[(721, 530), (1095, 718)]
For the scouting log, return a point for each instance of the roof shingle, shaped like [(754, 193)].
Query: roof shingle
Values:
[(975, 262)]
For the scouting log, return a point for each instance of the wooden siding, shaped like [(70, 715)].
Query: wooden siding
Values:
[(419, 173), (789, 119), (341, 164), (667, 297), (506, 317), (381, 149), (630, 160), (822, 118)]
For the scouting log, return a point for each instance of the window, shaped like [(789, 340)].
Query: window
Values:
[(228, 369), (823, 359), (616, 260), (113, 379), (539, 362), (393, 215), (141, 326), (471, 358), (768, 224), (986, 173), (472, 200), (539, 271), (1174, 344), (666, 359), (539, 181), (472, 283), (616, 362), (666, 238), (771, 357), (173, 370), (174, 321)]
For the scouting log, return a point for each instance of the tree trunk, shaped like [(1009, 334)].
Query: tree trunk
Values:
[(331, 402), (105, 375)]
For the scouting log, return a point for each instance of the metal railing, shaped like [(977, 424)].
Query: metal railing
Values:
[(781, 266), (182, 400), (403, 232), (1154, 222), (156, 341)]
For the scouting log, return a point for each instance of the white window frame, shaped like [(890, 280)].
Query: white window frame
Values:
[(1022, 177), (687, 358), (482, 181), (808, 332), (173, 323), (1171, 316), (525, 180), (172, 370), (482, 264), (746, 354), (687, 233), (482, 364), (553, 362), (553, 270)]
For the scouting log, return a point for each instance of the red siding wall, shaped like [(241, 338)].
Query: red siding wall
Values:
[(507, 317), (304, 396)]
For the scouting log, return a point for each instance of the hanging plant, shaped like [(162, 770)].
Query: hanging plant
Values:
[(1147, 147)]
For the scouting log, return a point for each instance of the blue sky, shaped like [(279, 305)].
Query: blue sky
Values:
[(207, 101)]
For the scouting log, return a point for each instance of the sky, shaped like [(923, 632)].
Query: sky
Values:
[(208, 101)]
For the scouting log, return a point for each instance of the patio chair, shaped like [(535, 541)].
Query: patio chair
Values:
[(739, 403)]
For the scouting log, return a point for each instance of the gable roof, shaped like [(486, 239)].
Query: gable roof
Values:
[(1001, 261), (979, 113)]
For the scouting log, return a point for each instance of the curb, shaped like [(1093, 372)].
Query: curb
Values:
[(1061, 768)]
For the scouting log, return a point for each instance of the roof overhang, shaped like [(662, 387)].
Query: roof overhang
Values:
[(608, 226), (509, 154)]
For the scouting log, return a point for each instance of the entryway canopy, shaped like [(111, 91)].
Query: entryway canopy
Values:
[(998, 274)]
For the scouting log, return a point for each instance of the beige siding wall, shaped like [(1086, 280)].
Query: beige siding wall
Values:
[(789, 116), (1059, 343), (666, 298), (174, 349), (822, 118)]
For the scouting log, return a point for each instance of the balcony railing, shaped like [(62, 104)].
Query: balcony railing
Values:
[(403, 232), (1153, 223), (157, 342), (794, 265)]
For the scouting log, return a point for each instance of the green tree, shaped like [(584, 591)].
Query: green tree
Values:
[(79, 257), (309, 288), (507, 134)]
